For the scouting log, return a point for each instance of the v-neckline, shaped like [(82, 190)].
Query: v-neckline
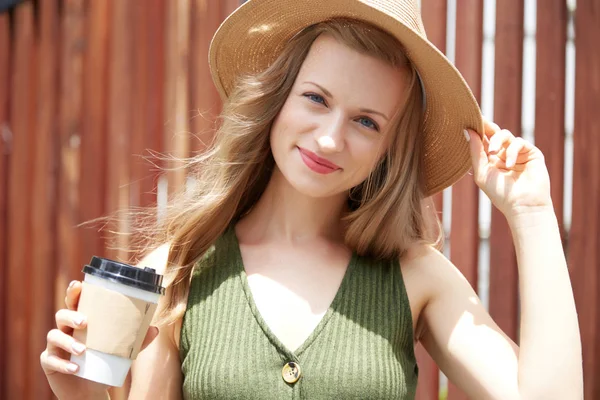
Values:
[(239, 266)]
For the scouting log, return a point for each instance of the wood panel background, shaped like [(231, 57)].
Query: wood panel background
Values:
[(89, 87)]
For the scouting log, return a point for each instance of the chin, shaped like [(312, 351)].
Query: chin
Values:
[(314, 190), (312, 185)]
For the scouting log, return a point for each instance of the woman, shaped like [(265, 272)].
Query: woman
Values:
[(303, 264)]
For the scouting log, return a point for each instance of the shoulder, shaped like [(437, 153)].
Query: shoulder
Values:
[(427, 274), (428, 263), (160, 357), (457, 331), (157, 259)]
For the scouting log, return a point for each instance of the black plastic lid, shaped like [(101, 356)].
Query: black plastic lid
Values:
[(145, 279)]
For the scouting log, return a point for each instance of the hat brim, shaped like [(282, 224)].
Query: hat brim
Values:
[(252, 37)]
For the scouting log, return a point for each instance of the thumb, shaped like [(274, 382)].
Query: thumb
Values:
[(479, 157), (150, 336)]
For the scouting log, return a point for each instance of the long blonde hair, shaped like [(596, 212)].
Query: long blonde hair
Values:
[(386, 210)]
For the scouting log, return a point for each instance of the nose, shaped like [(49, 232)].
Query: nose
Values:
[(331, 138)]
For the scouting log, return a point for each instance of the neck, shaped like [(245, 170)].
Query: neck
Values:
[(284, 214)]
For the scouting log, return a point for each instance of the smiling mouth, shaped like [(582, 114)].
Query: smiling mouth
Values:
[(316, 163)]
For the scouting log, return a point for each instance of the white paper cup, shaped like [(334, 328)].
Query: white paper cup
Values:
[(101, 367)]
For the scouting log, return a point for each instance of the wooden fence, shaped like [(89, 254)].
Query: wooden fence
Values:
[(86, 86)]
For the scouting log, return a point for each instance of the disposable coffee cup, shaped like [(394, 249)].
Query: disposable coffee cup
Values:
[(119, 301)]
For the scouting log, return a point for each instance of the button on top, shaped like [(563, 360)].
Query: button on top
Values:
[(291, 372)]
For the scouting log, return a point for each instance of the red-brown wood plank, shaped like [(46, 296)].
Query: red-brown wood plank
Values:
[(5, 148), (465, 194), (140, 96), (204, 97), (435, 20), (44, 195), (92, 185), (503, 304), (550, 93), (147, 26), (177, 138), (464, 245), (428, 384), (120, 124), (434, 14), (148, 89), (584, 238), (121, 73), (229, 6), (72, 41), (19, 293), (156, 10)]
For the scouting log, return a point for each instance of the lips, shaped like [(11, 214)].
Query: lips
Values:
[(316, 163)]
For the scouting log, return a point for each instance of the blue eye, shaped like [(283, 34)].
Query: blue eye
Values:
[(315, 98), (370, 124)]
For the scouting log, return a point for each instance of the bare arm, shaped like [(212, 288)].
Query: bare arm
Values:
[(460, 334), (156, 373), (476, 354), (462, 338), (550, 361)]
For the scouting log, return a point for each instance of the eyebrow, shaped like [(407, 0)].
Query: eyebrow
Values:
[(365, 110)]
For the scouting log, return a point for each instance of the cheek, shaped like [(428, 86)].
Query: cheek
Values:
[(278, 131), (282, 138), (366, 153), (284, 123)]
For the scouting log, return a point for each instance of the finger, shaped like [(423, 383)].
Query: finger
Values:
[(57, 339), (486, 143), (517, 147), (150, 336), (490, 128), (500, 158), (69, 319), (501, 164), (478, 155), (73, 293), (499, 140), (53, 363)]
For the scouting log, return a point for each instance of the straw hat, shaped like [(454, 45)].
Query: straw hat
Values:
[(252, 37)]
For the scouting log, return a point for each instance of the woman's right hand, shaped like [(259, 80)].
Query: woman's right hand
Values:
[(61, 344)]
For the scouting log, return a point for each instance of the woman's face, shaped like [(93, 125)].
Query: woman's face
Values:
[(329, 134)]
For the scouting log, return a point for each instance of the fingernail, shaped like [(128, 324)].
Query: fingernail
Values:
[(71, 284), (72, 367), (467, 135), (78, 347), (79, 320), (510, 163)]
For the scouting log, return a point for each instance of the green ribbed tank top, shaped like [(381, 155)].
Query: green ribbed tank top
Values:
[(361, 349)]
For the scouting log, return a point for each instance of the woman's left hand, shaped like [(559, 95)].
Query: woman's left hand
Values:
[(511, 171)]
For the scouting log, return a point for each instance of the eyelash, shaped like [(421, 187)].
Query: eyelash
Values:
[(309, 95)]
